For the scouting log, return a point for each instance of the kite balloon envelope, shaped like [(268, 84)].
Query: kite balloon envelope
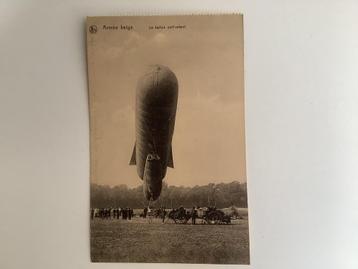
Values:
[(155, 109)]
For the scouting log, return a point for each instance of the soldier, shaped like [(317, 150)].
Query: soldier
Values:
[(92, 213), (163, 214), (182, 209), (193, 215), (124, 213), (145, 211), (129, 210), (150, 215), (108, 213)]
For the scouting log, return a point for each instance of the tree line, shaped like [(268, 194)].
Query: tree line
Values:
[(220, 195)]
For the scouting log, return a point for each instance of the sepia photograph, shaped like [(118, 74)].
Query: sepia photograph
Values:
[(167, 139)]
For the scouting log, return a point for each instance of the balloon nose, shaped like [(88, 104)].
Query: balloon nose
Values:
[(152, 190)]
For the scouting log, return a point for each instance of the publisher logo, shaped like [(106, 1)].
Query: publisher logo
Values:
[(93, 29)]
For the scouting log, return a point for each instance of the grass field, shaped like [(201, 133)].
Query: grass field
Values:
[(140, 241)]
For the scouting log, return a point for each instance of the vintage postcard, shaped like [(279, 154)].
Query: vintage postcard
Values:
[(167, 138)]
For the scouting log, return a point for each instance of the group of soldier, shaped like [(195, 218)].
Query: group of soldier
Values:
[(115, 213), (161, 212), (193, 213), (148, 212)]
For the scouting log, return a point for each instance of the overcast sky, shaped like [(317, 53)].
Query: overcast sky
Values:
[(207, 58)]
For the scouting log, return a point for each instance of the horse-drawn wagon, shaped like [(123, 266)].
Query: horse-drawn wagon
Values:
[(209, 215)]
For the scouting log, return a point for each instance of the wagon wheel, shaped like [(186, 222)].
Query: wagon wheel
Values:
[(214, 218), (171, 216), (226, 220), (181, 220)]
